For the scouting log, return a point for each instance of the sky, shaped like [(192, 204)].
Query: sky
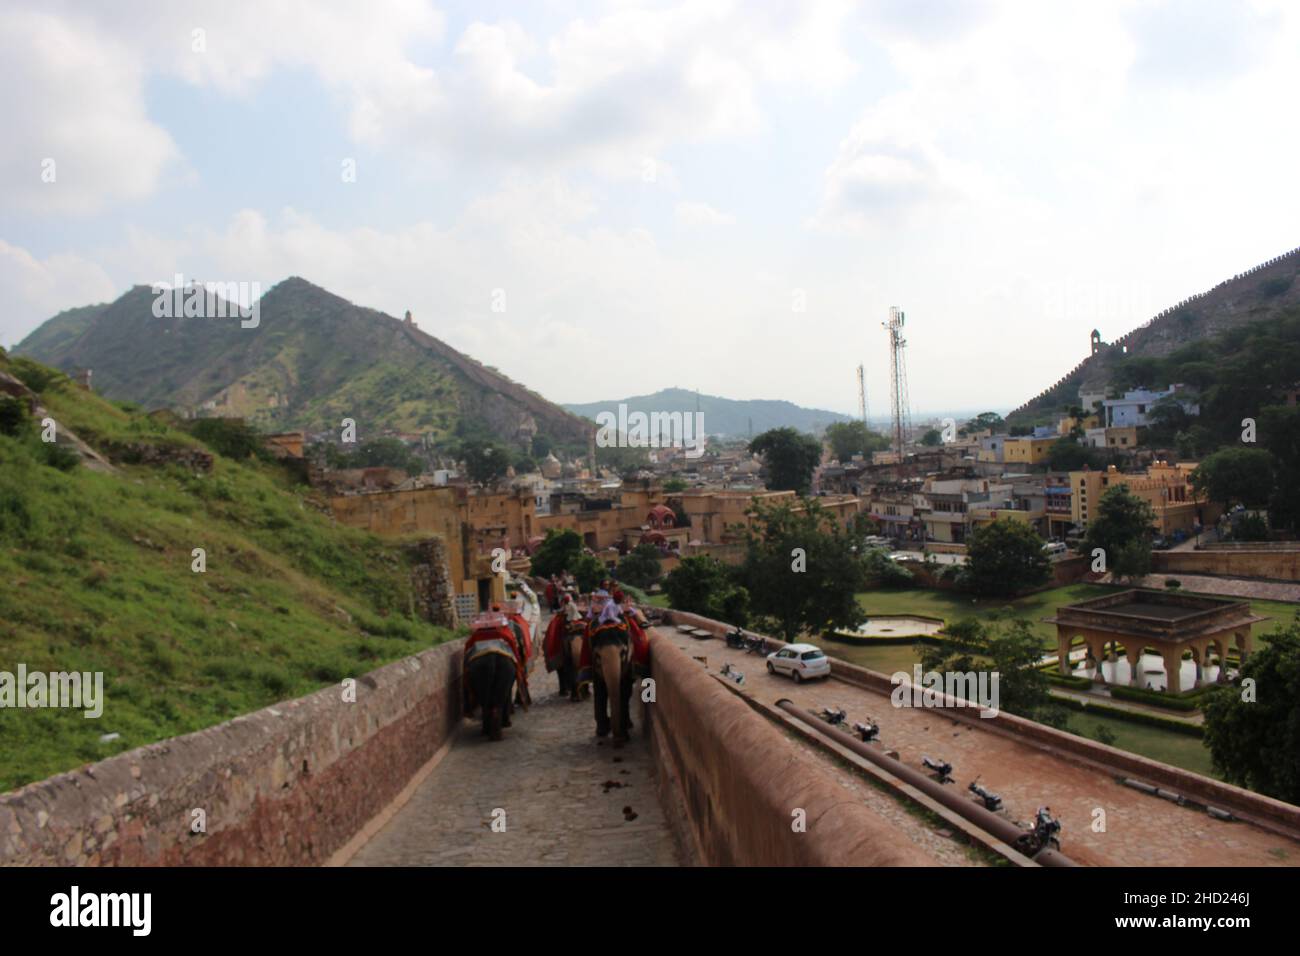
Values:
[(606, 199)]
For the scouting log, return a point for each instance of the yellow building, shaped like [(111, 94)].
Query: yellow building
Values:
[(1028, 451), (1167, 488)]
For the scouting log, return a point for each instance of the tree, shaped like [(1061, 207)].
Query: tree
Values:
[(1279, 428), (1122, 529), (485, 462), (931, 438), (1012, 653), (801, 569), (378, 453), (853, 438), (674, 485), (701, 584), (1066, 454), (1005, 557), (640, 568), (990, 420), (588, 571), (790, 458), (557, 553), (1236, 474), (1254, 743)]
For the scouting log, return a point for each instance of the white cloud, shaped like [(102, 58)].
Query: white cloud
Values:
[(700, 214), (36, 289), (74, 99)]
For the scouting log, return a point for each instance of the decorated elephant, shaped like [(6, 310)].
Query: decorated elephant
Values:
[(491, 668)]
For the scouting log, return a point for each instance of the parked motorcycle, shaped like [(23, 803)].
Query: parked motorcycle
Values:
[(737, 639), (833, 716)]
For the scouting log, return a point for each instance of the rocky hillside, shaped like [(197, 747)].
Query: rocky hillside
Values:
[(1268, 290), (312, 360)]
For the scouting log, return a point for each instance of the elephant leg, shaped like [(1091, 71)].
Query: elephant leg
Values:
[(505, 687), (626, 689), (601, 703)]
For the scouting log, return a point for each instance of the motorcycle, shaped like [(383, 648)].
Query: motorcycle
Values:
[(868, 731), (737, 639), (835, 717), (941, 768), (756, 645), (992, 801)]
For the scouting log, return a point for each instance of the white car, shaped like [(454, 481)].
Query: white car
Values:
[(800, 661)]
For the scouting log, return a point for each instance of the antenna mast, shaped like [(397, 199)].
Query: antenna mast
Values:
[(902, 422), (862, 394)]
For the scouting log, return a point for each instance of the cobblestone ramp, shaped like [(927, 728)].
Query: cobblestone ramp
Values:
[(563, 792)]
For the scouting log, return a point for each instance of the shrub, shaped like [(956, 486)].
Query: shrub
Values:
[(229, 437), (1173, 583), (14, 416)]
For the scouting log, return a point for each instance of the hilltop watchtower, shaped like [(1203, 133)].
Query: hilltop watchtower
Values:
[(1097, 343)]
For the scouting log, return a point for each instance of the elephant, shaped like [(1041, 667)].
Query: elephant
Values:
[(572, 646), (611, 676), (491, 676)]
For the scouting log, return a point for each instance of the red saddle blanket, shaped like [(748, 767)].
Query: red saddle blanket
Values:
[(553, 643)]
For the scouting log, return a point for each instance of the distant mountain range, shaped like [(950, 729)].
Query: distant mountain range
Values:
[(312, 360), (1264, 292), (722, 416)]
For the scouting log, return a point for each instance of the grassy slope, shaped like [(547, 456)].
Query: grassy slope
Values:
[(97, 577)]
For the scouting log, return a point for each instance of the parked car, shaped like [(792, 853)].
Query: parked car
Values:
[(800, 661), (1161, 543)]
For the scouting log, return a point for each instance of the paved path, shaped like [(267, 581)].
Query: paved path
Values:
[(1140, 830), (1224, 587), (562, 789)]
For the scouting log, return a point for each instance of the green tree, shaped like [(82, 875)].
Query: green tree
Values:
[(485, 462), (640, 567), (1279, 431), (1005, 557), (1236, 474), (588, 571), (1122, 529), (229, 437), (847, 439), (790, 458), (1012, 653), (557, 553), (1066, 454), (932, 438), (674, 485), (990, 420), (802, 569), (701, 584), (1254, 743)]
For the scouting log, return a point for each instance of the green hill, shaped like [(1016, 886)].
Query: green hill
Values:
[(1259, 294), (96, 571), (722, 416), (313, 360)]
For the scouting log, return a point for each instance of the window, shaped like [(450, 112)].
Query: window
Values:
[(812, 655)]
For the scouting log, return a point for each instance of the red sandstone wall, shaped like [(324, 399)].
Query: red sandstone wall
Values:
[(287, 785), (1274, 565), (1243, 802), (740, 780)]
